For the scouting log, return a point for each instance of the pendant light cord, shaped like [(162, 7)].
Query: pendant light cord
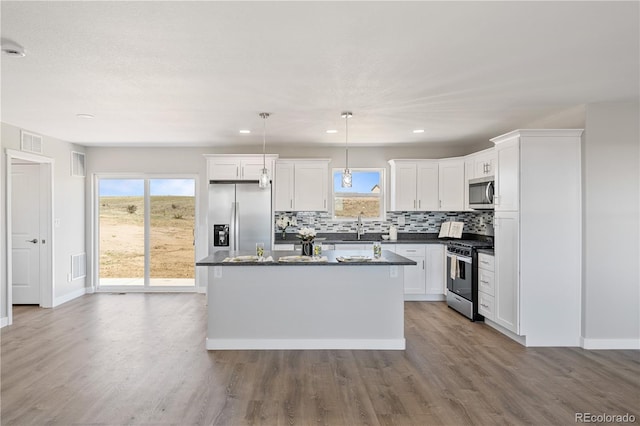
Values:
[(264, 116), (346, 142)]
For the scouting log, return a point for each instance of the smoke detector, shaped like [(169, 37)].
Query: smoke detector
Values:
[(12, 49)]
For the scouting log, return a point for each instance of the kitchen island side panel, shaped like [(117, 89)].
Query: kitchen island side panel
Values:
[(306, 307)]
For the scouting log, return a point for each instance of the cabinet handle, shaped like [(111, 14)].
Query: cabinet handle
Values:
[(291, 203), (411, 251), (484, 282), (414, 204), (484, 306), (237, 171), (423, 264), (484, 262), (440, 203), (419, 204), (324, 204)]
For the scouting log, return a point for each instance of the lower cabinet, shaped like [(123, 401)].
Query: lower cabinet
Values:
[(486, 286), (426, 279)]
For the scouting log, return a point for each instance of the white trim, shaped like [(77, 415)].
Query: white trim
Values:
[(296, 344), (48, 264), (537, 133), (69, 296), (94, 262), (520, 339), (425, 298), (4, 321), (145, 289), (611, 344)]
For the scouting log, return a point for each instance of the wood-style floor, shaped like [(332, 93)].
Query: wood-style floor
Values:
[(110, 359)]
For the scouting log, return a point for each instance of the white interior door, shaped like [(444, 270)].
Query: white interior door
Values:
[(25, 233)]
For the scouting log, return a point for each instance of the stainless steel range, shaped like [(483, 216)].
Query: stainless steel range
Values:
[(462, 276)]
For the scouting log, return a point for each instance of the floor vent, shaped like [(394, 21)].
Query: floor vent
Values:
[(30, 142), (78, 266)]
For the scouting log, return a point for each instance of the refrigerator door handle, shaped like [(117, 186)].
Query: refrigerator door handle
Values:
[(237, 220), (232, 228)]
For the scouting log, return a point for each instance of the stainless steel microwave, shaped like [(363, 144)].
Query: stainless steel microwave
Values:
[(481, 193)]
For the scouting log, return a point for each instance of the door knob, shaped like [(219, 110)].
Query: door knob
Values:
[(34, 241)]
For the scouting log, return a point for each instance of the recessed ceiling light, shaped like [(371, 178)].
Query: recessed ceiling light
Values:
[(245, 132), (12, 49), (85, 116), (332, 131), (418, 131)]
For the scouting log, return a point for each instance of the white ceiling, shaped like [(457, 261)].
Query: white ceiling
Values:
[(195, 73)]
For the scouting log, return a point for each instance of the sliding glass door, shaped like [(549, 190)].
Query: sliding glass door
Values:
[(146, 232)]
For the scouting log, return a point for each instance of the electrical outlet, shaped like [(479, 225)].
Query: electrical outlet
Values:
[(401, 221), (393, 271), (56, 223)]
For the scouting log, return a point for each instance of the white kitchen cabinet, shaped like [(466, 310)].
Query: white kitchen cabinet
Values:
[(427, 185), (238, 167), (426, 280), (506, 270), (283, 186), (451, 184), (485, 163), (486, 286), (507, 177), (414, 275), (301, 185), (538, 291), (436, 283), (414, 185)]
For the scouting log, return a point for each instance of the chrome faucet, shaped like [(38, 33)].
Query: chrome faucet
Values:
[(359, 229)]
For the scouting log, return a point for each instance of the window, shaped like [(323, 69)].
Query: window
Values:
[(366, 196)]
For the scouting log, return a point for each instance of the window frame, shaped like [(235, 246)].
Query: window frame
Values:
[(382, 194)]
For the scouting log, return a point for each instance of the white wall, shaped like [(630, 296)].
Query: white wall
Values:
[(68, 207), (611, 234)]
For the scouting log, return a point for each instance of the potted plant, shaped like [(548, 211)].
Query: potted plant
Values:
[(307, 235)]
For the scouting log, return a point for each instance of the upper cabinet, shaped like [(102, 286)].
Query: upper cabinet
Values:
[(484, 163), (507, 180), (301, 185), (451, 184), (238, 167), (427, 185)]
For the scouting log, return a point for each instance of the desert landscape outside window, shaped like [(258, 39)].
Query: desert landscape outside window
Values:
[(366, 195), (146, 231)]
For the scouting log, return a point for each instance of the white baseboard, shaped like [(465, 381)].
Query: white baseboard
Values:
[(295, 344), (4, 321), (202, 290), (69, 296), (90, 290), (609, 343), (424, 297), (510, 334)]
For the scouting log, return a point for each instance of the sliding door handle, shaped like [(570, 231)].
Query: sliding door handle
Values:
[(34, 241)]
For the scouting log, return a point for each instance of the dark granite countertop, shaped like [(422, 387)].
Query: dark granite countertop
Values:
[(388, 258), (351, 238)]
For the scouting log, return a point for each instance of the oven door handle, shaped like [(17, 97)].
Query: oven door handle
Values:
[(460, 258)]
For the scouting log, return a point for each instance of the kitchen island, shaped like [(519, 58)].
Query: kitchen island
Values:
[(307, 305)]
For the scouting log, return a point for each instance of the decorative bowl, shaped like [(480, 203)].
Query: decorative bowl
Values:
[(385, 237)]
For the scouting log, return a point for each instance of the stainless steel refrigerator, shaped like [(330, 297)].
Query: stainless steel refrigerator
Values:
[(239, 216)]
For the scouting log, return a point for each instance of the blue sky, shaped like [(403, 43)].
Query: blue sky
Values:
[(135, 187), (362, 181)]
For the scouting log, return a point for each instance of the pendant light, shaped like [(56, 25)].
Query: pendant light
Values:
[(346, 174), (263, 182)]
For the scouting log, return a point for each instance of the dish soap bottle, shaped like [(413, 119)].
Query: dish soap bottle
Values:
[(393, 233)]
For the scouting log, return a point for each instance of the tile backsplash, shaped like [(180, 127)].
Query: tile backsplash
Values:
[(477, 222)]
